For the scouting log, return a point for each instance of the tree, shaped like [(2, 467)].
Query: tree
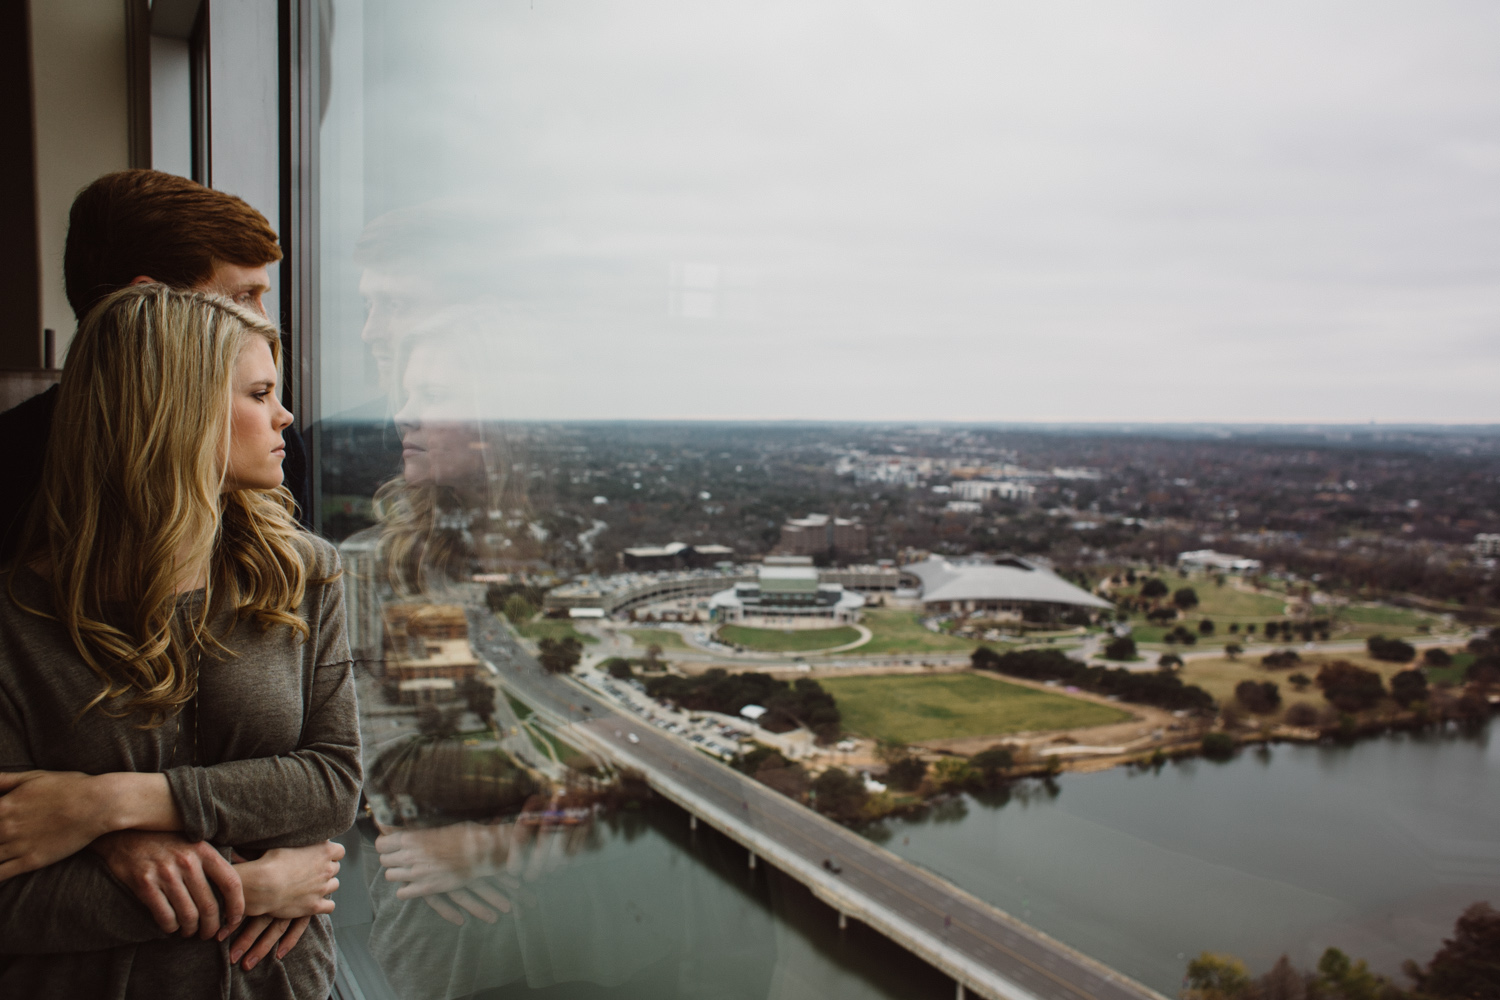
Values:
[(1262, 697), (1153, 589), (1206, 627), (1121, 648), (1349, 980), (1408, 687), (1349, 688), (1436, 657), (992, 763), (618, 668), (1300, 681), (1282, 982), (653, 657), (1302, 714), (1218, 746), (954, 773), (1390, 650), (1185, 598), (1468, 963), (906, 774), (479, 698), (839, 794), (558, 656), (1216, 977), (1169, 662), (518, 609), (1233, 649)]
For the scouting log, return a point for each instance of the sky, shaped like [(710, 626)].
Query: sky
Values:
[(997, 211)]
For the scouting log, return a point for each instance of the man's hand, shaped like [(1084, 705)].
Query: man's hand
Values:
[(171, 876), (46, 816)]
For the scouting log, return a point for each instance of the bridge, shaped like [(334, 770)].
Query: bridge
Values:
[(987, 952)]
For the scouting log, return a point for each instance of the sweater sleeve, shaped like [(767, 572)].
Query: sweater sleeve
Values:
[(71, 905), (300, 798)]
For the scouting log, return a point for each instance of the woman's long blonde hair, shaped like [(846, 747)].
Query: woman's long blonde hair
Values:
[(134, 479)]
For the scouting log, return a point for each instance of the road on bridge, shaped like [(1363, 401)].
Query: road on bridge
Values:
[(1038, 965)]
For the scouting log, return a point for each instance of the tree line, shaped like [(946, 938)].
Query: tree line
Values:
[(1163, 690), (803, 703)]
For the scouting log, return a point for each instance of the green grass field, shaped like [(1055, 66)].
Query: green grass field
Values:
[(553, 628), (1216, 602), (795, 641), (949, 706), (897, 631), (663, 637), (1403, 619)]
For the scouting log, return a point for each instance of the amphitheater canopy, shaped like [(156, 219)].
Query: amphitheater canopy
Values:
[(1013, 581)]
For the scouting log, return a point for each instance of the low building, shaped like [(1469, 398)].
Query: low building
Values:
[(675, 555), (1487, 545), (983, 489), (787, 596), (427, 652), (1209, 561), (1005, 587)]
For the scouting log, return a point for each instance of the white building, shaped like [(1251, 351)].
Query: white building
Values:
[(788, 597), (983, 489), (1007, 587), (1209, 561), (1487, 545)]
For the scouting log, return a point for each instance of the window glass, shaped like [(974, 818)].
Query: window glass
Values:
[(664, 338)]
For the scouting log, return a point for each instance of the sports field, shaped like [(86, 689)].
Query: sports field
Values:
[(793, 641), (912, 709), (897, 631)]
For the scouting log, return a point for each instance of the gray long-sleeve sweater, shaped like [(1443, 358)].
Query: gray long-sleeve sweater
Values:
[(276, 764)]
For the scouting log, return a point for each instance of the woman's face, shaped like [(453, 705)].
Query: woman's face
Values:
[(256, 420), (441, 441)]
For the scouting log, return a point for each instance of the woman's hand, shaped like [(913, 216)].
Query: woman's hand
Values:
[(46, 816), (291, 882), (171, 876), (260, 934)]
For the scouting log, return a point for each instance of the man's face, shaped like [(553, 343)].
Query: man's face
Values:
[(245, 286)]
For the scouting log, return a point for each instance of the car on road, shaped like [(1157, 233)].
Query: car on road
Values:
[(832, 865), (632, 737)]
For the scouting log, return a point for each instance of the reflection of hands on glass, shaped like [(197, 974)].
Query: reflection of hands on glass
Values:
[(474, 868)]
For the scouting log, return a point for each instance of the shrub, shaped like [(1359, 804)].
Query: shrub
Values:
[(1300, 681), (1349, 688), (1390, 650), (992, 762), (1121, 648), (953, 774), (1260, 697), (1218, 746), (618, 668), (1302, 714)]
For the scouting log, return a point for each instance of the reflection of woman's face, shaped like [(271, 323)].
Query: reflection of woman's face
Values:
[(441, 442)]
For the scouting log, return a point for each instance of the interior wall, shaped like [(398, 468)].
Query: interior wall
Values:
[(82, 125), (20, 283)]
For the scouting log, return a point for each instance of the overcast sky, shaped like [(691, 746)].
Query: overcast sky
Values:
[(1104, 211)]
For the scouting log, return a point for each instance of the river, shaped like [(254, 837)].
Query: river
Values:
[(1374, 848)]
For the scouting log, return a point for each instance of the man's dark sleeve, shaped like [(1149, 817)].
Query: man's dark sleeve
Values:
[(297, 474), (23, 449)]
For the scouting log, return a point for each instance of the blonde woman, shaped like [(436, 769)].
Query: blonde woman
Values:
[(173, 667)]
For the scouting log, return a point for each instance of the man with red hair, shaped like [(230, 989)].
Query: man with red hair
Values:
[(134, 226)]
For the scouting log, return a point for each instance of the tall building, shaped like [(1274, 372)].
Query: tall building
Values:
[(818, 533)]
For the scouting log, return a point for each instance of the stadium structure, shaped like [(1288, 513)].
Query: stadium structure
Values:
[(1003, 588)]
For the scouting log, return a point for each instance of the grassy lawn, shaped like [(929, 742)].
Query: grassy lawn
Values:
[(899, 631), (663, 637), (522, 710), (1216, 602), (553, 628), (566, 751), (947, 706), (794, 641), (1394, 618), (1219, 676)]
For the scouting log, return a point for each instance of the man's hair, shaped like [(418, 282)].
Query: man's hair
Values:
[(168, 228)]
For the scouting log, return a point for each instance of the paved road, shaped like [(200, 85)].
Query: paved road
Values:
[(1039, 966)]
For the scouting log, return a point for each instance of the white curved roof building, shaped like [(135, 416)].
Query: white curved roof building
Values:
[(1006, 585)]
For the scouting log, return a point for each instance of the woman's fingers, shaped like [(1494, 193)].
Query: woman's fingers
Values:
[(181, 900), (249, 933), (265, 943), (291, 937), (468, 903), (445, 909), (227, 880), (491, 895)]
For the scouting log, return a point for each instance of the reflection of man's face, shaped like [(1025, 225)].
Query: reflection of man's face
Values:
[(397, 304), (441, 441)]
